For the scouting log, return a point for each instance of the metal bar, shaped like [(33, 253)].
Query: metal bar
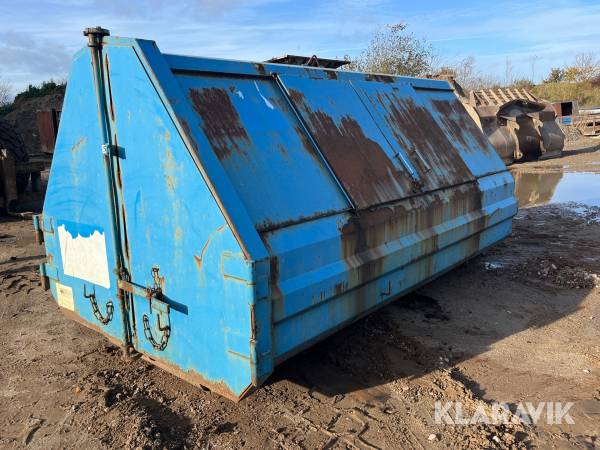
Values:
[(487, 99), (95, 36)]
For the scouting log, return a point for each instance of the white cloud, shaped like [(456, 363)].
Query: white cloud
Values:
[(39, 37)]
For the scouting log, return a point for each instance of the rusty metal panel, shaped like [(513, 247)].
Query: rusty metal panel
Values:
[(430, 133), (370, 168), (47, 122), (275, 169)]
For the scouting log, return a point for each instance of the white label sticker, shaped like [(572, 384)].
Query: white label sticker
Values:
[(64, 297), (84, 257)]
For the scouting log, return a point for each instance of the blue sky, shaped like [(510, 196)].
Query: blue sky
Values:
[(37, 38)]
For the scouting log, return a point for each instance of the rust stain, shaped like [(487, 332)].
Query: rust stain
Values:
[(118, 166), (119, 182), (331, 74), (261, 69), (307, 144), (77, 147), (281, 148), (169, 168), (110, 98), (222, 124), (229, 277), (125, 236), (188, 132), (296, 96), (253, 325), (362, 237), (414, 127), (200, 259), (178, 233), (274, 277), (268, 225), (380, 77), (458, 123), (365, 170), (339, 288)]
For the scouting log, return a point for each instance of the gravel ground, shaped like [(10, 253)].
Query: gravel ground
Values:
[(517, 324)]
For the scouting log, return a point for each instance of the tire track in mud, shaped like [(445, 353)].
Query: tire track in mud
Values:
[(373, 385)]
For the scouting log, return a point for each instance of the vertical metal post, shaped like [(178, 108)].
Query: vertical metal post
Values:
[(95, 37)]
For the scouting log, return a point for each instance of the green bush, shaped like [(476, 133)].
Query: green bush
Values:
[(585, 93), (45, 88)]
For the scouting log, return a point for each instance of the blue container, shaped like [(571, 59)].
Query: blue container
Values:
[(219, 216)]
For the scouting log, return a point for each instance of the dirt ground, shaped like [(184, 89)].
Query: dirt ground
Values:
[(519, 323), (580, 155)]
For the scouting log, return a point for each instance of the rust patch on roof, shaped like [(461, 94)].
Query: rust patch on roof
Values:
[(359, 162), (261, 69), (221, 122), (380, 77), (296, 96), (331, 74), (456, 120), (415, 129), (188, 132)]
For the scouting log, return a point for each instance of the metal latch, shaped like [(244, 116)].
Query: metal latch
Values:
[(39, 234), (156, 306), (48, 272), (39, 229)]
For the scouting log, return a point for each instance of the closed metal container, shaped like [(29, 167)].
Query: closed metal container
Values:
[(219, 216)]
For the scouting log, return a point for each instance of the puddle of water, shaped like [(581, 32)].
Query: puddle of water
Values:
[(538, 188)]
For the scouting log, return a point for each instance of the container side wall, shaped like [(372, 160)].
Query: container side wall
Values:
[(277, 203), (334, 270)]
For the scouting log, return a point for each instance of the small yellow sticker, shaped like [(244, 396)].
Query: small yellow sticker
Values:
[(64, 297)]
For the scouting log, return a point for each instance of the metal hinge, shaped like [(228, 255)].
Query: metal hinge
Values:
[(39, 229), (48, 272)]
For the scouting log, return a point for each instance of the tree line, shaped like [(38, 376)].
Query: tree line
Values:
[(394, 50)]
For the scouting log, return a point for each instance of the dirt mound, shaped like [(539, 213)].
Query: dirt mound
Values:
[(562, 274), (23, 117)]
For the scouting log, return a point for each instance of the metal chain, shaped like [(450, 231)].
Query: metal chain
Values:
[(109, 311), (166, 333), (97, 314)]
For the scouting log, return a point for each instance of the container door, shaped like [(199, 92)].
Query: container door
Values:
[(182, 258), (430, 132), (75, 225), (390, 146), (371, 170)]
